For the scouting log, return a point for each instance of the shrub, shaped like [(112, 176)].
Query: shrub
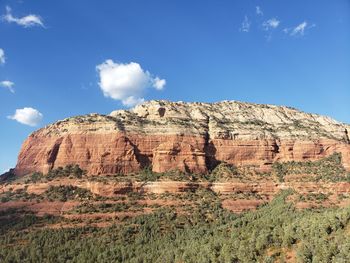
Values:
[(64, 193), (35, 177), (223, 171), (327, 169), (208, 233)]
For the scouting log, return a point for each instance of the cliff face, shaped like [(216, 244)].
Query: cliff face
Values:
[(192, 137)]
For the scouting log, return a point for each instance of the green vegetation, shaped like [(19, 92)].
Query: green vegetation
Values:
[(244, 195), (64, 193), (105, 207), (327, 169), (174, 175), (281, 170), (19, 194), (54, 193), (316, 197), (208, 233), (147, 175), (13, 221), (69, 171), (193, 227), (224, 171)]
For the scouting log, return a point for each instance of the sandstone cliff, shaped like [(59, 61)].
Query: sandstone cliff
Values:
[(192, 137)]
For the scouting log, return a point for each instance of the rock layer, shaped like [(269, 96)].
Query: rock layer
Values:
[(191, 137)]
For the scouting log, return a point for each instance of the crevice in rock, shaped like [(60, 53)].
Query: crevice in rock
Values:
[(276, 147), (187, 169), (142, 159), (52, 154), (347, 136), (209, 149), (210, 159)]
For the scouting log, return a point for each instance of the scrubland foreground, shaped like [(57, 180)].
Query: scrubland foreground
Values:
[(298, 212)]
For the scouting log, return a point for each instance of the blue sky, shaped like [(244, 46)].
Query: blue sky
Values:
[(71, 57)]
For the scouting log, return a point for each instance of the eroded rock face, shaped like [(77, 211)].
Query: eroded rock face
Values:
[(192, 137), (184, 156)]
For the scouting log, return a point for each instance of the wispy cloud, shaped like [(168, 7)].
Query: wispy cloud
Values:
[(25, 21), (126, 82), (2, 56), (8, 85), (271, 24), (258, 11), (27, 116), (298, 30), (245, 27)]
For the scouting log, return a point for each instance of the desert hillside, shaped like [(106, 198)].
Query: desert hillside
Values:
[(295, 212), (119, 143), (189, 137), (239, 182)]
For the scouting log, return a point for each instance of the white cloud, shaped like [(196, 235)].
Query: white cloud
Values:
[(2, 56), (245, 25), (159, 83), (126, 82), (259, 11), (25, 21), (8, 85), (271, 24), (27, 116), (299, 30), (132, 101)]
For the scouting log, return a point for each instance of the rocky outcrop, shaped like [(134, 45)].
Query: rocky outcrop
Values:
[(114, 189), (191, 137), (183, 156)]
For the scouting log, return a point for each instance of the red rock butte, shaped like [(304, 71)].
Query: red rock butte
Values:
[(191, 137)]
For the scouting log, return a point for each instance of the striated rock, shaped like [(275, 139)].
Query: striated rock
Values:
[(183, 156), (191, 137)]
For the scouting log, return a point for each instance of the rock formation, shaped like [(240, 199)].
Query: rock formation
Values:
[(191, 137)]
